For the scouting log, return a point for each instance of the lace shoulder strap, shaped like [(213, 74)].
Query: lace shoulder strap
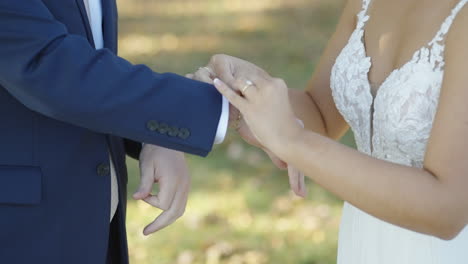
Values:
[(363, 17), (444, 29), (436, 47)]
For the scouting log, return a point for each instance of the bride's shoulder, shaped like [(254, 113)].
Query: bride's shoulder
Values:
[(457, 38), (456, 52), (351, 10), (355, 6)]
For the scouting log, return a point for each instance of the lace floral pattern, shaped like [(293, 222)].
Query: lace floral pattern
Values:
[(396, 124)]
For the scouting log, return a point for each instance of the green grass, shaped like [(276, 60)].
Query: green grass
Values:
[(240, 209)]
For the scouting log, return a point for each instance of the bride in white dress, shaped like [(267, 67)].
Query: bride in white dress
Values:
[(399, 80)]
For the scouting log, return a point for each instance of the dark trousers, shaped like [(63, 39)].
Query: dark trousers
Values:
[(114, 254)]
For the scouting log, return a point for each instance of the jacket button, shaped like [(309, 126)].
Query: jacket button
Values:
[(152, 125), (184, 133), (103, 169), (173, 131), (163, 128)]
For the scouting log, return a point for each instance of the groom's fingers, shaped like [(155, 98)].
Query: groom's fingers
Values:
[(154, 201), (203, 75), (146, 181), (221, 65), (176, 210), (167, 191)]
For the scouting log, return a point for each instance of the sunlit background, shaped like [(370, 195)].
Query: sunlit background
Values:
[(240, 209)]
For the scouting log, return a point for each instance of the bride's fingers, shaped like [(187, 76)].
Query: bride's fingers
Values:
[(303, 184), (238, 101), (297, 181), (296, 178), (277, 161), (293, 175)]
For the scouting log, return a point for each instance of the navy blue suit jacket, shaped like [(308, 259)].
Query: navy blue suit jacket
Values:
[(63, 106)]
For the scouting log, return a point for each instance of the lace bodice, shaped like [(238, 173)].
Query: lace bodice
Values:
[(396, 124)]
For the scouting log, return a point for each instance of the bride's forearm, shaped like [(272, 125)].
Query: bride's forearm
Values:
[(404, 196), (307, 111), (318, 112)]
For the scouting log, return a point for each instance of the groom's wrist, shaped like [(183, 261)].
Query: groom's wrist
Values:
[(223, 122)]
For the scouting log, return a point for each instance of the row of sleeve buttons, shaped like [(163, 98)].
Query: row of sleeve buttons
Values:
[(165, 129)]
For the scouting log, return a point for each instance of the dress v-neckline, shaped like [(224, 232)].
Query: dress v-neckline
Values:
[(374, 93)]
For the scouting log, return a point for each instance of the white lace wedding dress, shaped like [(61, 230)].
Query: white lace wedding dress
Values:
[(394, 126)]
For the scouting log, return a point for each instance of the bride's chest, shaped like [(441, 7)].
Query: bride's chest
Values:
[(396, 122)]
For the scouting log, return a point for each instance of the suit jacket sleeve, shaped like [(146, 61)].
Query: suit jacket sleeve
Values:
[(60, 75)]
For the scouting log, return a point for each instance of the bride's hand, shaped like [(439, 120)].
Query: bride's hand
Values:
[(296, 177), (206, 74), (228, 68), (264, 103)]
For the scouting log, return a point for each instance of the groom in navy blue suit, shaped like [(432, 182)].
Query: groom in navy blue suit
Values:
[(63, 107)]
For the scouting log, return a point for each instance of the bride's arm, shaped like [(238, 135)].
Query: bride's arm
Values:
[(431, 200), (315, 106)]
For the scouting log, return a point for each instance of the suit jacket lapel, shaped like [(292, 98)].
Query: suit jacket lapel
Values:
[(109, 24), (84, 17), (109, 30)]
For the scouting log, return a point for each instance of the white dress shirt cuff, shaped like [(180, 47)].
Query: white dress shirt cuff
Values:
[(223, 122)]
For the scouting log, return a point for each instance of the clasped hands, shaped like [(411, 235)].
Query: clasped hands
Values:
[(258, 104), (239, 81)]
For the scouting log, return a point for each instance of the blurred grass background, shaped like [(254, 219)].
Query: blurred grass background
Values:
[(240, 209)]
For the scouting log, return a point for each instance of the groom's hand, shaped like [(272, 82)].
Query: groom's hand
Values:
[(227, 69), (169, 169)]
